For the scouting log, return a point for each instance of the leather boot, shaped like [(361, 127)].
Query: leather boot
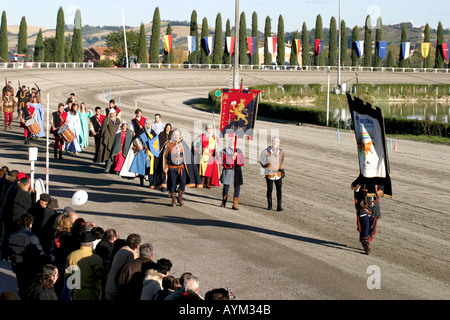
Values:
[(55, 153), (366, 247), (224, 201), (60, 154), (174, 199), (235, 204), (180, 197), (279, 207), (269, 203)]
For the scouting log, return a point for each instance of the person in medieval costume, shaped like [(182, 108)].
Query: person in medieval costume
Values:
[(161, 177), (271, 160), (120, 147), (206, 154), (26, 113), (95, 125), (108, 132), (59, 119), (74, 122), (40, 116)]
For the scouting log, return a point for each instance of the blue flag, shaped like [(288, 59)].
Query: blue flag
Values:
[(382, 49), (153, 146), (360, 48)]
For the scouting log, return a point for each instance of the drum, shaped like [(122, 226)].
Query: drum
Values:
[(66, 134), (33, 126), (138, 145)]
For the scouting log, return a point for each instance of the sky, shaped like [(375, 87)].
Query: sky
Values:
[(295, 12)]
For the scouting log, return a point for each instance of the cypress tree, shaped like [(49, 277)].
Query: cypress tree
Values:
[(156, 36), (218, 41), (226, 54), (281, 47), (204, 57), (255, 57), (333, 43), (243, 55), (293, 60), (319, 58), (22, 46), (368, 56), (67, 48), (355, 37), (403, 63), (142, 52), (305, 46), (439, 61), (428, 63), (169, 57), (267, 33), (4, 39), (193, 57), (344, 44), (390, 63), (77, 41), (39, 48), (59, 51), (377, 61)]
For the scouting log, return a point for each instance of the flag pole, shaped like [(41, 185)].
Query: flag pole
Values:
[(236, 49), (125, 37), (47, 160)]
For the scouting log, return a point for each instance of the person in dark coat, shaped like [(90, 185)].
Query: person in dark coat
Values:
[(43, 288), (108, 131), (232, 160), (119, 149), (23, 200), (160, 176)]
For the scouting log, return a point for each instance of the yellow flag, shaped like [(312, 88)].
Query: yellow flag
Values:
[(425, 49), (168, 43)]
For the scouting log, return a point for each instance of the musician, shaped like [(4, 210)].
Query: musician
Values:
[(95, 125), (112, 105), (40, 116), (205, 147), (74, 122), (9, 103), (138, 123), (59, 118), (271, 160), (22, 97), (368, 210), (26, 113)]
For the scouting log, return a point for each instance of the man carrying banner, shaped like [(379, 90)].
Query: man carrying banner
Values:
[(205, 147)]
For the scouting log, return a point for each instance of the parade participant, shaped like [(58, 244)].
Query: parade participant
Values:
[(84, 115), (95, 125), (22, 97), (120, 146), (7, 87), (108, 131), (36, 93), (178, 165), (9, 103), (112, 105), (59, 118), (160, 176), (271, 160), (74, 122), (367, 203), (68, 105), (205, 147), (144, 161), (40, 117), (158, 125), (25, 114), (138, 123), (232, 161)]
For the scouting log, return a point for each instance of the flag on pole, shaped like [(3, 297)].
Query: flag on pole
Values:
[(191, 43), (252, 45), (272, 44), (445, 51), (208, 44), (230, 45), (425, 48), (382, 49), (318, 44), (360, 48), (168, 43), (297, 46), (406, 48)]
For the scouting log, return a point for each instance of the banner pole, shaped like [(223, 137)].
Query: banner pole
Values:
[(47, 160)]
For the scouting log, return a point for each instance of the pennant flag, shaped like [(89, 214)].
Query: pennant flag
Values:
[(297, 46), (370, 136), (153, 146), (406, 48), (445, 51), (207, 42), (382, 49), (230, 45), (191, 43), (318, 45), (168, 43), (238, 111), (252, 45), (360, 48), (425, 48), (272, 44)]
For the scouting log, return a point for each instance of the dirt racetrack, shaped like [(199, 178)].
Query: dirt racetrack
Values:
[(310, 250)]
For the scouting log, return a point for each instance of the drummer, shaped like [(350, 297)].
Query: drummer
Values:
[(26, 113), (59, 118)]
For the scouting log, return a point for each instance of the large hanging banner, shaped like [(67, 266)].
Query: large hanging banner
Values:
[(191, 43), (371, 142), (445, 51), (252, 45), (318, 44), (207, 43), (425, 49), (360, 48), (238, 111), (168, 43), (297, 46), (272, 44), (406, 49), (230, 45), (382, 49)]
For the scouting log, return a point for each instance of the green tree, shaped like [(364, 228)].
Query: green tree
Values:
[(67, 51), (377, 61), (169, 57), (156, 37), (428, 63), (116, 44), (142, 53), (267, 33), (355, 38), (4, 39), (226, 55), (319, 59), (59, 50), (306, 58), (218, 41), (368, 56), (77, 41), (390, 63), (49, 49), (439, 61), (333, 43), (281, 47), (193, 57), (204, 57), (243, 55), (403, 63), (22, 46), (344, 44), (255, 57), (293, 59), (39, 48)]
